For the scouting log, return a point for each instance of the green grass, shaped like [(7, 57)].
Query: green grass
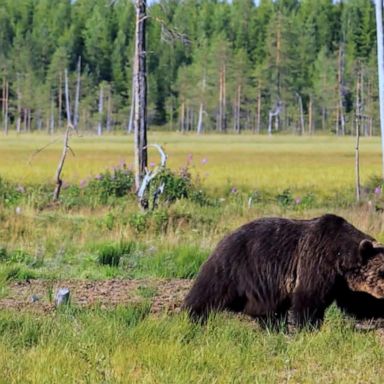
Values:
[(244, 161), (129, 345), (126, 345)]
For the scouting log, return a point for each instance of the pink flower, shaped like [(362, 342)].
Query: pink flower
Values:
[(378, 191), (233, 190), (298, 200), (204, 161), (83, 183), (152, 164), (98, 177)]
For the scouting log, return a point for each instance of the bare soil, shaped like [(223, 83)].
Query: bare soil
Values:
[(39, 295)]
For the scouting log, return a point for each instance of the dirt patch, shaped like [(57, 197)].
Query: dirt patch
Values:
[(39, 295)]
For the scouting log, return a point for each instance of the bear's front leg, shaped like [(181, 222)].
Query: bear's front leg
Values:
[(307, 310)]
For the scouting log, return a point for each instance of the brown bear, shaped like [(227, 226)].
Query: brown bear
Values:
[(273, 267)]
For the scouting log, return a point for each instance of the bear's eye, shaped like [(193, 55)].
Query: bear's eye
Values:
[(381, 274)]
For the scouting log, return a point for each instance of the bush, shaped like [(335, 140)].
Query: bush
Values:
[(116, 183)]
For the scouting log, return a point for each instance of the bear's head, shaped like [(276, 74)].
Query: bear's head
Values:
[(368, 275)]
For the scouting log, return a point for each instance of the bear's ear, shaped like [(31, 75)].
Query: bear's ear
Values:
[(366, 249)]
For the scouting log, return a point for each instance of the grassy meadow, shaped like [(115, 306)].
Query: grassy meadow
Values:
[(243, 177)]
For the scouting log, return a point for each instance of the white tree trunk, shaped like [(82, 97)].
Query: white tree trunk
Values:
[(380, 63), (100, 122), (77, 97)]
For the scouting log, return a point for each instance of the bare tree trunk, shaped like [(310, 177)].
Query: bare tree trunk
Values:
[(140, 85), (132, 112), (310, 117), (301, 112), (200, 120), (201, 108), (29, 119), (340, 76), (59, 181), (380, 65), (222, 121), (60, 102), (52, 118), (25, 118), (67, 104), (182, 117), (18, 119), (357, 121), (77, 96), (5, 106), (323, 125), (258, 113), (109, 110), (100, 109)]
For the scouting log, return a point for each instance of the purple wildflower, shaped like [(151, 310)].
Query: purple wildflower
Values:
[(378, 191), (204, 161), (233, 190), (83, 183), (98, 177), (152, 164), (298, 200)]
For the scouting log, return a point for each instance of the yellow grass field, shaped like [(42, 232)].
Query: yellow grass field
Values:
[(323, 163)]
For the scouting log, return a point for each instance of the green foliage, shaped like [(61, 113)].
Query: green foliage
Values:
[(111, 253), (285, 198), (10, 194), (117, 182)]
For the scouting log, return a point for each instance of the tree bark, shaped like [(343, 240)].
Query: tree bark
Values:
[(67, 104), (140, 86), (380, 64), (100, 109), (340, 75), (60, 101), (18, 119), (357, 122), (109, 110), (77, 96), (310, 116)]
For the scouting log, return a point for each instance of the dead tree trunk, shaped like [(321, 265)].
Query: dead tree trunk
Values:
[(182, 116), (100, 109), (310, 115), (67, 104), (52, 118), (109, 110), (301, 113), (357, 122), (340, 81), (77, 96), (222, 120), (59, 181), (18, 119), (60, 101), (258, 111), (132, 112), (140, 87), (5, 105), (201, 108)]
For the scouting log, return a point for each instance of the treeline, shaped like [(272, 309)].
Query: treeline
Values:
[(284, 65)]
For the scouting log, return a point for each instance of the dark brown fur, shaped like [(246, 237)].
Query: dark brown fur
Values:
[(273, 266)]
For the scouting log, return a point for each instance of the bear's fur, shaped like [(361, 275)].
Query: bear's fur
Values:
[(273, 266)]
